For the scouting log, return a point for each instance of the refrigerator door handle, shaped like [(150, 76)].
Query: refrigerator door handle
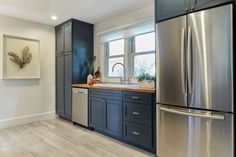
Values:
[(183, 78), (189, 59), (192, 114)]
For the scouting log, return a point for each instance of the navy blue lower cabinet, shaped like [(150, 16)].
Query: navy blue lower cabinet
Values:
[(113, 120), (105, 112), (138, 113), (138, 134), (97, 114), (125, 116), (139, 120)]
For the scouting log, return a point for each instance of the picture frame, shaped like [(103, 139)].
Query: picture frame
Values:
[(21, 58)]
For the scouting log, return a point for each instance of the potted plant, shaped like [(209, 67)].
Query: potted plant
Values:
[(146, 80)]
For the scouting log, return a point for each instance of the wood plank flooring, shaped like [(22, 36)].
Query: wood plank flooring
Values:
[(58, 138)]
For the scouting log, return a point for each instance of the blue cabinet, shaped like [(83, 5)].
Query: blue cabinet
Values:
[(126, 116), (106, 112), (74, 48), (166, 9), (113, 119), (96, 113), (139, 119), (138, 134), (138, 113), (201, 4)]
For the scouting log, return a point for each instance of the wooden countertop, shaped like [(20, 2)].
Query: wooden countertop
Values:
[(131, 89)]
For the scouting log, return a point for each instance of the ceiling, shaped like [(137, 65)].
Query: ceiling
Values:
[(92, 11)]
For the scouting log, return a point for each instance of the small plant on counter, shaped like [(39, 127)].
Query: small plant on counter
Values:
[(146, 80), (146, 76)]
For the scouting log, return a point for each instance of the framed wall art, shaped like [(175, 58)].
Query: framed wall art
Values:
[(21, 58)]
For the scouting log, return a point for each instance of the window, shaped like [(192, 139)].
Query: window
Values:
[(144, 54), (137, 53), (115, 54)]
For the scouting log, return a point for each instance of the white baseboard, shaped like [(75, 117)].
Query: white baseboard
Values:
[(5, 123)]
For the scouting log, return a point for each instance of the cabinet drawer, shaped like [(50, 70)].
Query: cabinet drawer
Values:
[(138, 134), (136, 97), (107, 94), (138, 113)]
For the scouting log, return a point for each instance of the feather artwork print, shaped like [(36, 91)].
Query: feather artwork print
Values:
[(21, 62)]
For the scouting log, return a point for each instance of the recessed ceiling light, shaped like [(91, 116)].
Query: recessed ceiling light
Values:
[(54, 17)]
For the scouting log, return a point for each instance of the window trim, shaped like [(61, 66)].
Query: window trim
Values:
[(107, 57), (133, 53), (128, 56)]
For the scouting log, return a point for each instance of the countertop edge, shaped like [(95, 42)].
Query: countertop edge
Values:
[(140, 89)]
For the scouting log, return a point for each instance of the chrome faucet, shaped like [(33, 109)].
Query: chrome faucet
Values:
[(124, 75)]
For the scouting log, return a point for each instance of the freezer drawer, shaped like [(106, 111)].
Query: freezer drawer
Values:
[(194, 133)]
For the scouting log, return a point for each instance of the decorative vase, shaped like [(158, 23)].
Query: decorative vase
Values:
[(89, 77)]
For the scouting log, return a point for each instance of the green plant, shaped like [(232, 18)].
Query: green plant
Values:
[(146, 76)]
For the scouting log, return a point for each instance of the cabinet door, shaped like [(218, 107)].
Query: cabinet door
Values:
[(96, 113), (60, 85), (166, 9), (201, 4), (67, 37), (59, 39), (138, 134), (68, 84), (113, 112)]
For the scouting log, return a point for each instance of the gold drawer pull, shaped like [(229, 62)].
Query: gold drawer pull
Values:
[(136, 133), (136, 113), (135, 97)]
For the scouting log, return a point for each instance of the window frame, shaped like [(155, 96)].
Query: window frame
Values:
[(133, 52), (128, 56), (107, 57)]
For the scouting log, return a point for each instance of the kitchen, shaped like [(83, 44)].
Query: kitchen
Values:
[(137, 78)]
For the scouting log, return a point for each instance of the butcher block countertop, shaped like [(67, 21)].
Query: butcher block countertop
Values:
[(131, 88)]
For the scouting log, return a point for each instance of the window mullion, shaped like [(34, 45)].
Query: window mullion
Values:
[(126, 58), (131, 56)]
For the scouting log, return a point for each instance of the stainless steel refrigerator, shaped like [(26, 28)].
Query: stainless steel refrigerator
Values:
[(195, 103)]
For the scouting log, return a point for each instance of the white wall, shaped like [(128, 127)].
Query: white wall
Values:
[(24, 101), (120, 22)]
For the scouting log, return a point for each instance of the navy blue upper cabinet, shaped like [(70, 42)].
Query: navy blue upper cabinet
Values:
[(68, 37), (201, 4), (59, 39), (166, 9)]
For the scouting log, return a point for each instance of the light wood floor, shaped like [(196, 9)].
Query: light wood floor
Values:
[(57, 138)]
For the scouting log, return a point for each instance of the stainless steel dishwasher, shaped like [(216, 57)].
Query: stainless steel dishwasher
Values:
[(80, 106)]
